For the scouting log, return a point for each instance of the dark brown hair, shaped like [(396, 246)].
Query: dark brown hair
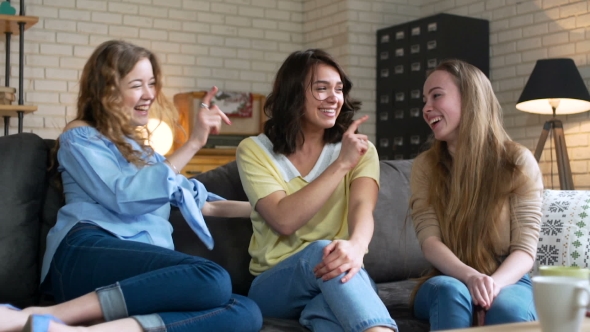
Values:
[(285, 105)]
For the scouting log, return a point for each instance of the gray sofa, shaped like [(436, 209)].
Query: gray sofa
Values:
[(28, 208)]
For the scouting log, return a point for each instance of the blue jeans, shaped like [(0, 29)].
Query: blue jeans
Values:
[(291, 290), (446, 303), (164, 290)]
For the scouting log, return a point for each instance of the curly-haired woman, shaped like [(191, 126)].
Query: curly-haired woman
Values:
[(110, 261)]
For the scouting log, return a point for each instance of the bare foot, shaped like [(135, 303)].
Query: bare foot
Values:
[(12, 320)]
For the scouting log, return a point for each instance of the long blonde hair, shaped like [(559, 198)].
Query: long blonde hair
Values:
[(469, 189)]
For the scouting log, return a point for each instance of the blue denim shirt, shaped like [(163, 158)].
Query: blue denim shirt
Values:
[(101, 187)]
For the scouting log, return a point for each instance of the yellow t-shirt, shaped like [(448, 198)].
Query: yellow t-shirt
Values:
[(263, 172)]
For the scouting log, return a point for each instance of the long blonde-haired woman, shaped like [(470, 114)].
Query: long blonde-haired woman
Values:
[(476, 206), (110, 260)]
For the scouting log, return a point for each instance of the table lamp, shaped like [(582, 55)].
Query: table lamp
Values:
[(555, 87), (161, 138)]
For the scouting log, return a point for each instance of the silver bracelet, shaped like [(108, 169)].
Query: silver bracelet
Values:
[(172, 166)]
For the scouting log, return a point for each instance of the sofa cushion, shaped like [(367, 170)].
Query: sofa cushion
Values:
[(394, 252), (396, 297), (23, 171), (224, 181), (565, 231), (231, 236)]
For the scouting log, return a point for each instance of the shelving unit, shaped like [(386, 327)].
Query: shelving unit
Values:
[(16, 25)]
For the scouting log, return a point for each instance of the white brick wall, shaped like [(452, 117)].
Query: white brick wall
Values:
[(239, 45), (234, 44)]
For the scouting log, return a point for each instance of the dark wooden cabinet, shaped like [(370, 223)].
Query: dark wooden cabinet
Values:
[(406, 53)]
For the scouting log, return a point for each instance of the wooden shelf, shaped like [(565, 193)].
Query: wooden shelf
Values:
[(9, 23), (205, 162), (10, 110), (217, 152)]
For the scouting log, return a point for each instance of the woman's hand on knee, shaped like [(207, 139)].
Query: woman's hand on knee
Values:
[(483, 290), (340, 256)]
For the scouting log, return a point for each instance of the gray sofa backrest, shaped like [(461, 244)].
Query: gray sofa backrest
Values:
[(394, 252)]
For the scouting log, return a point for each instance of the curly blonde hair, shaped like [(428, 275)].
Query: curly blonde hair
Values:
[(100, 101)]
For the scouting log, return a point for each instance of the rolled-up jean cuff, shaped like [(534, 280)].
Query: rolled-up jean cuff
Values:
[(150, 323), (112, 302)]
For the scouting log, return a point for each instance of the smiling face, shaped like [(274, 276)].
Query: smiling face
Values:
[(442, 107), (138, 88), (323, 98)]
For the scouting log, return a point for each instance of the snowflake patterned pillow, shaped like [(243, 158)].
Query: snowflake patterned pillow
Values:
[(565, 228)]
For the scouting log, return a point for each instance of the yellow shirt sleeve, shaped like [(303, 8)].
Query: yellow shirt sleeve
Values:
[(368, 166), (258, 179)]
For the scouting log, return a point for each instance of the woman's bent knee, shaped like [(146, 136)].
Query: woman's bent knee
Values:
[(509, 314), (504, 311), (446, 285), (315, 250), (214, 278), (249, 314)]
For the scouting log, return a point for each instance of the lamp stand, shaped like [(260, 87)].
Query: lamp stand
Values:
[(563, 163)]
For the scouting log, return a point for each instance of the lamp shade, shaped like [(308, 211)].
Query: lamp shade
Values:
[(554, 82)]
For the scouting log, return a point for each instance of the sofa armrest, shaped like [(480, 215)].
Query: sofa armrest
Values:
[(22, 189)]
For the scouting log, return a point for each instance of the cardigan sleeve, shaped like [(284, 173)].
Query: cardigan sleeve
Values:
[(525, 205), (423, 215)]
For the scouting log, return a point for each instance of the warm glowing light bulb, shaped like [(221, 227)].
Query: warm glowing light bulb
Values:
[(161, 139)]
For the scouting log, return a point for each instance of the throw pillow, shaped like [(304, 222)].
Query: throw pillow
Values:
[(565, 228)]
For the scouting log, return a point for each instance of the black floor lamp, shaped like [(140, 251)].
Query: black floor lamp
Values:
[(555, 87)]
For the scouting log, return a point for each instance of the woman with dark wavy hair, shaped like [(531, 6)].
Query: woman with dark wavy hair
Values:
[(313, 183), (110, 260), (476, 206)]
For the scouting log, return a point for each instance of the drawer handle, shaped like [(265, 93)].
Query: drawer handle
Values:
[(193, 172)]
